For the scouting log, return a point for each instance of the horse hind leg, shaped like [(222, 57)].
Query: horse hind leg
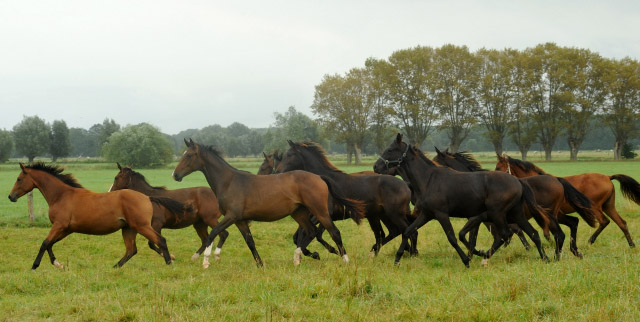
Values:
[(156, 238), (243, 226), (129, 237), (603, 222), (572, 223), (609, 208), (306, 233), (524, 224)]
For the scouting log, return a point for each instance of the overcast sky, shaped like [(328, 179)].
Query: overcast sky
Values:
[(189, 64)]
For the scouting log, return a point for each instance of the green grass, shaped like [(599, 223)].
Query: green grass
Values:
[(433, 286)]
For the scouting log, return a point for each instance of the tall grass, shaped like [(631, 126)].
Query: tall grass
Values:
[(432, 286)]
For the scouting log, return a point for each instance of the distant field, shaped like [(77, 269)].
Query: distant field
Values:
[(433, 286)]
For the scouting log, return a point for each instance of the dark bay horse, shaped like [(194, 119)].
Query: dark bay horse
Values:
[(386, 197), (443, 193), (597, 187), (74, 209), (243, 197), (204, 201), (550, 193)]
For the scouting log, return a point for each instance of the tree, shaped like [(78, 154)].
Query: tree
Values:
[(410, 89), (60, 142), (547, 94), (380, 128), (31, 137), (6, 145), (623, 104), (292, 125), (237, 129), (496, 93), (83, 143), (522, 129), (456, 73), (344, 105), (141, 145), (583, 80), (103, 131)]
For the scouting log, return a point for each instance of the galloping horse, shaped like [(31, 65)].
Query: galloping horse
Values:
[(597, 187), (442, 193), (206, 212), (386, 197), (269, 164), (74, 209), (243, 196), (550, 193)]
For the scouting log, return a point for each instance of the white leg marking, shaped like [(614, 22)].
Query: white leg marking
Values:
[(372, 254), (207, 253), (57, 264), (195, 256), (216, 254), (484, 262), (345, 258), (297, 256)]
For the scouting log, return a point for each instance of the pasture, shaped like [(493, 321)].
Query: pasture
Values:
[(432, 286)]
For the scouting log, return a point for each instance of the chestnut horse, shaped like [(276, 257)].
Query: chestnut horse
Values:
[(74, 209), (243, 197), (443, 193), (550, 193), (597, 187), (206, 212), (270, 162), (386, 197)]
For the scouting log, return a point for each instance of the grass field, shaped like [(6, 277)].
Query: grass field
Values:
[(604, 286)]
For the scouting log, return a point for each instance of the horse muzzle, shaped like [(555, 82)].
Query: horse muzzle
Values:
[(176, 177), (13, 198)]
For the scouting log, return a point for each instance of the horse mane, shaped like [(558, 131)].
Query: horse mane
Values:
[(139, 176), (56, 171), (468, 160), (319, 153), (422, 156), (525, 165), (216, 151)]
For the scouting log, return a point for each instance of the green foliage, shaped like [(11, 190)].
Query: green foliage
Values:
[(31, 137), (292, 125), (103, 131), (140, 145), (60, 142), (6, 145), (83, 143), (627, 151)]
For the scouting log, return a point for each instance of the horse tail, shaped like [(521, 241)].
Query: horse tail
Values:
[(629, 186), (352, 208), (579, 202), (537, 212), (174, 206)]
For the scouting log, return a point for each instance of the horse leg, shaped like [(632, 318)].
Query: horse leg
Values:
[(516, 230), (445, 222), (602, 224), (376, 227), (55, 232), (572, 223), (222, 238), (218, 229), (155, 237), (558, 235), (307, 232), (421, 220), (327, 223), (520, 219), (470, 226), (52, 257), (609, 208), (203, 233), (129, 237), (243, 226)]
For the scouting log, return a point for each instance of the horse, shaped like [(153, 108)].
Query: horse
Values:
[(550, 192), (597, 187), (386, 197), (443, 193), (74, 209), (206, 212), (243, 196), (269, 164)]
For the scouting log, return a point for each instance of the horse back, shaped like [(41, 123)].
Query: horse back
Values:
[(596, 186)]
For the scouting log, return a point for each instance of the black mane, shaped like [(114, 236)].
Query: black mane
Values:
[(56, 171), (468, 160), (218, 153), (525, 165), (318, 152), (422, 156), (139, 176)]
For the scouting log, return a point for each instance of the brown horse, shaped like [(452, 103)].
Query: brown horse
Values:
[(74, 209), (550, 192), (206, 212), (597, 187), (243, 197), (270, 162)]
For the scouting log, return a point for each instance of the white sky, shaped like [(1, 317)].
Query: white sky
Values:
[(189, 64)]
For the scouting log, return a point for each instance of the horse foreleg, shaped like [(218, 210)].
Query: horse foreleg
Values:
[(243, 226), (472, 225), (306, 233), (218, 229), (572, 223), (378, 233), (156, 238), (129, 237), (56, 233), (412, 230)]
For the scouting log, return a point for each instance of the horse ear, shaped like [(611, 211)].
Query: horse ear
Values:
[(437, 151), (23, 168), (119, 166), (446, 151), (191, 142), (265, 155), (186, 142), (399, 138), (291, 143)]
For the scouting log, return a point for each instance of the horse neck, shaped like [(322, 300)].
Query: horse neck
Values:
[(417, 171), (218, 173), (142, 186), (314, 165), (518, 172), (50, 187)]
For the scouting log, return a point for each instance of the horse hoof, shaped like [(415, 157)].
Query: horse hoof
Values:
[(484, 262), (396, 263), (372, 254), (632, 245), (172, 257), (206, 265), (345, 258), (57, 264), (195, 256), (297, 255), (216, 254), (315, 255)]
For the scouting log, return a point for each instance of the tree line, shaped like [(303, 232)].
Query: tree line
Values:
[(529, 96)]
